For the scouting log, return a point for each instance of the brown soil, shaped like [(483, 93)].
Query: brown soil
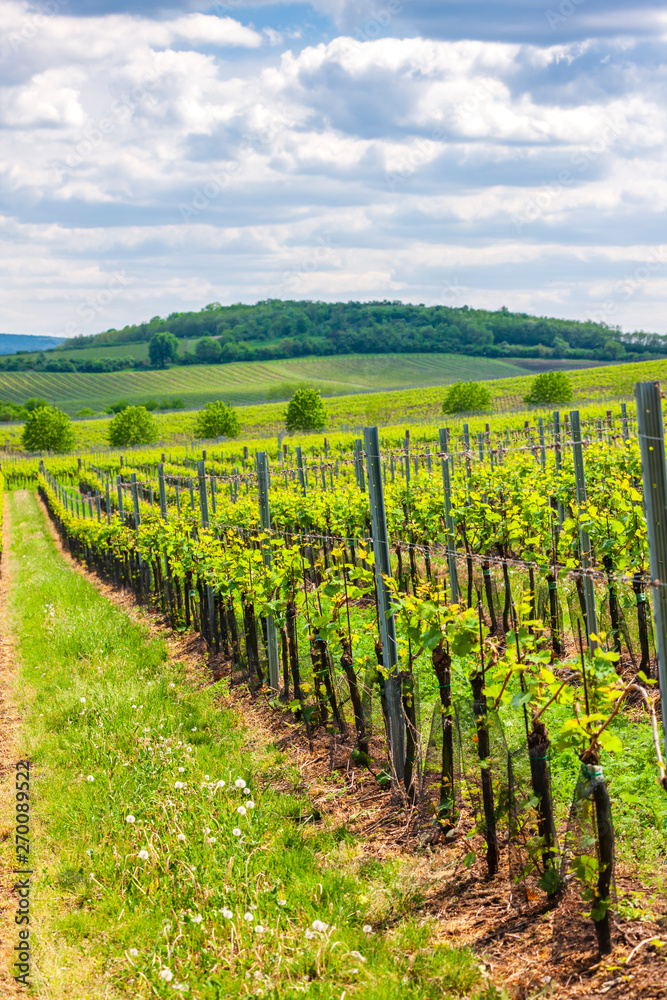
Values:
[(532, 950), (9, 754)]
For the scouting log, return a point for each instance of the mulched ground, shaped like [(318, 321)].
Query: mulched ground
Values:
[(532, 950)]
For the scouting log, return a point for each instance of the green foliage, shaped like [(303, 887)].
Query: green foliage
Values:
[(12, 412), (47, 429), (550, 387), (85, 412), (162, 347), (152, 404), (208, 350), (134, 425), (117, 407), (467, 397), (34, 402), (217, 419), (306, 411)]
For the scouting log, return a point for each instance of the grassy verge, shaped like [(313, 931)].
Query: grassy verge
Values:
[(157, 873)]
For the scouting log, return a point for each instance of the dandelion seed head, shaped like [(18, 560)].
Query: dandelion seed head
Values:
[(240, 783), (167, 975), (130, 818), (259, 929), (236, 832), (319, 925), (207, 777), (250, 804), (197, 919), (248, 917), (367, 929), (309, 934), (246, 791), (179, 784), (181, 770), (227, 914), (133, 952), (90, 778), (181, 836), (241, 810), (143, 855), (82, 700)]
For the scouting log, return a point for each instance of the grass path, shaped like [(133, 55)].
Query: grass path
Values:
[(155, 874)]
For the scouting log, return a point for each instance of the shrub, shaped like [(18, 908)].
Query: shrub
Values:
[(162, 347), (34, 403), (121, 404), (466, 397), (550, 387), (85, 412), (48, 429), (305, 411), (152, 404), (217, 419), (134, 425)]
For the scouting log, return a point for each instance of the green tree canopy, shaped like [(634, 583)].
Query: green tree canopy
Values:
[(217, 419), (550, 387), (134, 425), (34, 402), (466, 397), (47, 429), (305, 411), (208, 350), (162, 347)]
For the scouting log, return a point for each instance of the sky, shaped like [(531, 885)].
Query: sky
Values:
[(155, 158)]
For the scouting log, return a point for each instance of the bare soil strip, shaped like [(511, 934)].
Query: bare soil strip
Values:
[(534, 952)]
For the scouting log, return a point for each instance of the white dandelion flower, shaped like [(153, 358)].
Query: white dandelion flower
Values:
[(281, 902), (248, 917), (207, 777), (227, 914), (246, 791), (212, 840), (130, 818), (179, 784), (367, 929), (240, 783), (167, 975), (181, 770), (82, 700), (197, 919), (181, 836), (319, 925), (90, 778), (236, 832), (220, 784), (241, 810), (250, 804), (133, 952), (259, 929), (143, 855), (309, 934)]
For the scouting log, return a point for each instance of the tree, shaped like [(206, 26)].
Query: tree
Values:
[(305, 411), (208, 350), (550, 387), (133, 425), (217, 419), (48, 429), (466, 397), (162, 347), (34, 403)]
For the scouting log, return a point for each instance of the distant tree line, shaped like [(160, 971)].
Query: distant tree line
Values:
[(275, 329)]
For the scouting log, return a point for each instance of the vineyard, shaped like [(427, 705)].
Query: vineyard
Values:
[(473, 620)]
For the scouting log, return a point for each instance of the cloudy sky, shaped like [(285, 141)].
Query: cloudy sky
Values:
[(480, 152)]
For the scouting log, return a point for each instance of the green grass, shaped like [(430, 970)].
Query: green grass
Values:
[(249, 382), (100, 698)]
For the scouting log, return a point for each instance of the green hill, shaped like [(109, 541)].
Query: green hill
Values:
[(276, 331)]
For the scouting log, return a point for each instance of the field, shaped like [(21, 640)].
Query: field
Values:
[(241, 785), (346, 413), (249, 382)]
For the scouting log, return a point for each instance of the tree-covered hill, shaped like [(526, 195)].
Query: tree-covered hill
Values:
[(274, 329)]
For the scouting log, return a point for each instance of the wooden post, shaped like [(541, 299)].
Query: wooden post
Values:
[(584, 538), (387, 624), (299, 465), (265, 519), (451, 536), (162, 491), (654, 472)]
